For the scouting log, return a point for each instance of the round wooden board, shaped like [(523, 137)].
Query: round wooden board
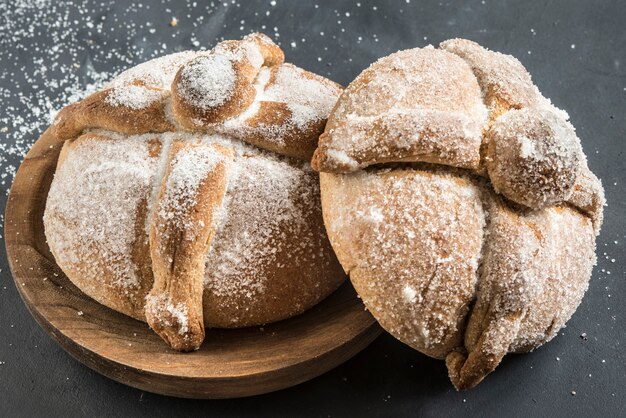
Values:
[(230, 363)]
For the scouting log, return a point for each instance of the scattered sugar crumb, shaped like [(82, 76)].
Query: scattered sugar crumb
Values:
[(409, 294)]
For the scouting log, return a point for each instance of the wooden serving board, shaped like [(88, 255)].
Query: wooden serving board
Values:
[(230, 363)]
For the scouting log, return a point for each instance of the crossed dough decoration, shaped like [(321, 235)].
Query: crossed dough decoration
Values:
[(459, 200), (454, 194), (183, 194)]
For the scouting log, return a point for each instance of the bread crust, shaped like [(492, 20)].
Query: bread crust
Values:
[(413, 265), (212, 225), (180, 233), (438, 117), (460, 203), (242, 89), (445, 106)]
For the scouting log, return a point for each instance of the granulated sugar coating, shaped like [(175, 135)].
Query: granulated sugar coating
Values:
[(187, 170), (102, 228), (53, 52), (208, 81), (216, 223), (135, 97), (456, 196), (45, 78), (85, 58)]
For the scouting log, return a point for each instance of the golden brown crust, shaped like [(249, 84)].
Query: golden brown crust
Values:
[(116, 273), (272, 127), (259, 251), (180, 233), (239, 88), (415, 105), (515, 264), (414, 267), (504, 81), (271, 232), (462, 106), (305, 270), (95, 111), (536, 267)]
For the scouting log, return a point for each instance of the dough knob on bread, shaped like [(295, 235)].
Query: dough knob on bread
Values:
[(533, 157), (219, 85), (210, 89)]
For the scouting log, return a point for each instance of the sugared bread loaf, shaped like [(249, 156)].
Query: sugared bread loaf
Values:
[(460, 203), (183, 195)]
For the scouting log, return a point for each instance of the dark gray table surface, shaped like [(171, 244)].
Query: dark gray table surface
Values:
[(575, 50)]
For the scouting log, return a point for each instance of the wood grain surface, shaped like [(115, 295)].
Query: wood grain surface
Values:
[(230, 363)]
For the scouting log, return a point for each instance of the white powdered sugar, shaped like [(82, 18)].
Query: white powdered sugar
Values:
[(113, 174), (440, 260), (342, 158), (401, 107), (409, 294), (253, 54), (534, 157), (157, 73), (395, 230), (308, 99), (146, 83), (134, 97), (91, 210), (179, 312), (531, 281), (527, 147), (207, 81), (266, 197), (188, 169)]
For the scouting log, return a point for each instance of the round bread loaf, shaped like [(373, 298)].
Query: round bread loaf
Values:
[(183, 195), (459, 201)]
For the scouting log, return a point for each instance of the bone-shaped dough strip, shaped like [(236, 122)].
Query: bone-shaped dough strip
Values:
[(180, 234), (242, 89), (535, 268), (100, 111), (424, 135)]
